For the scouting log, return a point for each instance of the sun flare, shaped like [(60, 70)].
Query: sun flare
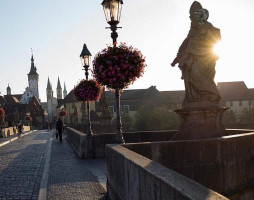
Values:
[(217, 49)]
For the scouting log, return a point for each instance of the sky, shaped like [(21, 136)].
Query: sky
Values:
[(57, 29)]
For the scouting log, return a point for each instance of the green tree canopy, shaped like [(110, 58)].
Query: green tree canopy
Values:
[(155, 117)]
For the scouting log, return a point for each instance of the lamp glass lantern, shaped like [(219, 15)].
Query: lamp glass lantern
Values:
[(85, 56), (112, 10)]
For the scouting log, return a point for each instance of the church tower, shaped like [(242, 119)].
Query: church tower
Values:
[(8, 90), (49, 100), (59, 90), (64, 91), (33, 79)]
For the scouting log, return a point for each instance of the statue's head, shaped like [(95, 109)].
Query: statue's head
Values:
[(194, 6)]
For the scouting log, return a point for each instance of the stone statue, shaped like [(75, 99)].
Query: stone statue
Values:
[(104, 105), (201, 115), (197, 61), (105, 117)]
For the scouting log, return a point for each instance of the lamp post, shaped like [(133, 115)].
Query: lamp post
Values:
[(112, 10), (85, 60)]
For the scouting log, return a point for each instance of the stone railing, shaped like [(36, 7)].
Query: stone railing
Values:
[(6, 132), (132, 176), (78, 140), (224, 164), (99, 141)]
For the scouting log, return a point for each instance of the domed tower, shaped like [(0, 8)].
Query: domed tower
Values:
[(33, 79), (8, 90), (59, 90)]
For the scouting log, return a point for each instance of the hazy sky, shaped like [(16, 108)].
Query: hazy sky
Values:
[(57, 30)]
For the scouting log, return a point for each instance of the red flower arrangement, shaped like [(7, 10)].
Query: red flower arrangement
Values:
[(62, 113), (28, 118), (118, 66), (2, 112), (88, 90)]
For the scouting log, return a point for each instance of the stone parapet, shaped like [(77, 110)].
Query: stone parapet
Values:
[(6, 132), (223, 164), (132, 176), (79, 140)]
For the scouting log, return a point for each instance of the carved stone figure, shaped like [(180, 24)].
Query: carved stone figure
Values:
[(200, 117), (197, 61), (104, 105), (105, 117), (83, 112)]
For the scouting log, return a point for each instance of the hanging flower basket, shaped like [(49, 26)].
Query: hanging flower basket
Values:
[(2, 112), (28, 118), (88, 90), (63, 113), (118, 66)]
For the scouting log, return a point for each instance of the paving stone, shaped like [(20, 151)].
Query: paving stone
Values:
[(22, 163), (21, 166), (70, 177)]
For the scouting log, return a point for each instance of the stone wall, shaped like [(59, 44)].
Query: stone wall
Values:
[(99, 141), (223, 164), (77, 139), (6, 132), (132, 176)]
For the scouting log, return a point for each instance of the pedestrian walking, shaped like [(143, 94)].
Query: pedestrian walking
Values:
[(59, 129), (20, 128)]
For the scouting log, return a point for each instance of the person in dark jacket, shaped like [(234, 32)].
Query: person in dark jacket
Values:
[(59, 128), (20, 127)]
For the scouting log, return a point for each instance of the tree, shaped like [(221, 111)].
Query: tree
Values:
[(126, 121), (155, 117), (229, 117)]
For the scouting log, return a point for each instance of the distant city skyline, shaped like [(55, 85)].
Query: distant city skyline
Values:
[(57, 30)]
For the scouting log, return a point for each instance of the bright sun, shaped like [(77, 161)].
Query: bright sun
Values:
[(217, 49)]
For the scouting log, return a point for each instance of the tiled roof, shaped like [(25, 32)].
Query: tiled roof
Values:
[(234, 91), (2, 100), (9, 99), (18, 96), (165, 97), (70, 98), (251, 90)]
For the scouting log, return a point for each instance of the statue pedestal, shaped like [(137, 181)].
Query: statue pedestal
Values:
[(200, 123)]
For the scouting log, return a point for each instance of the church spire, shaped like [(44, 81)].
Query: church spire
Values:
[(64, 91), (33, 69), (59, 90), (49, 87), (58, 84)]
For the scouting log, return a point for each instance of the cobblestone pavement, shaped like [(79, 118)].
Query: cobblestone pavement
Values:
[(70, 177), (22, 163), (21, 166)]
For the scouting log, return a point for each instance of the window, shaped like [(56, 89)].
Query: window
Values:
[(126, 108), (240, 103), (111, 110)]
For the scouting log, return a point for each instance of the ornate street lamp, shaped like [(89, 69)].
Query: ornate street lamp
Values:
[(85, 57), (112, 10)]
